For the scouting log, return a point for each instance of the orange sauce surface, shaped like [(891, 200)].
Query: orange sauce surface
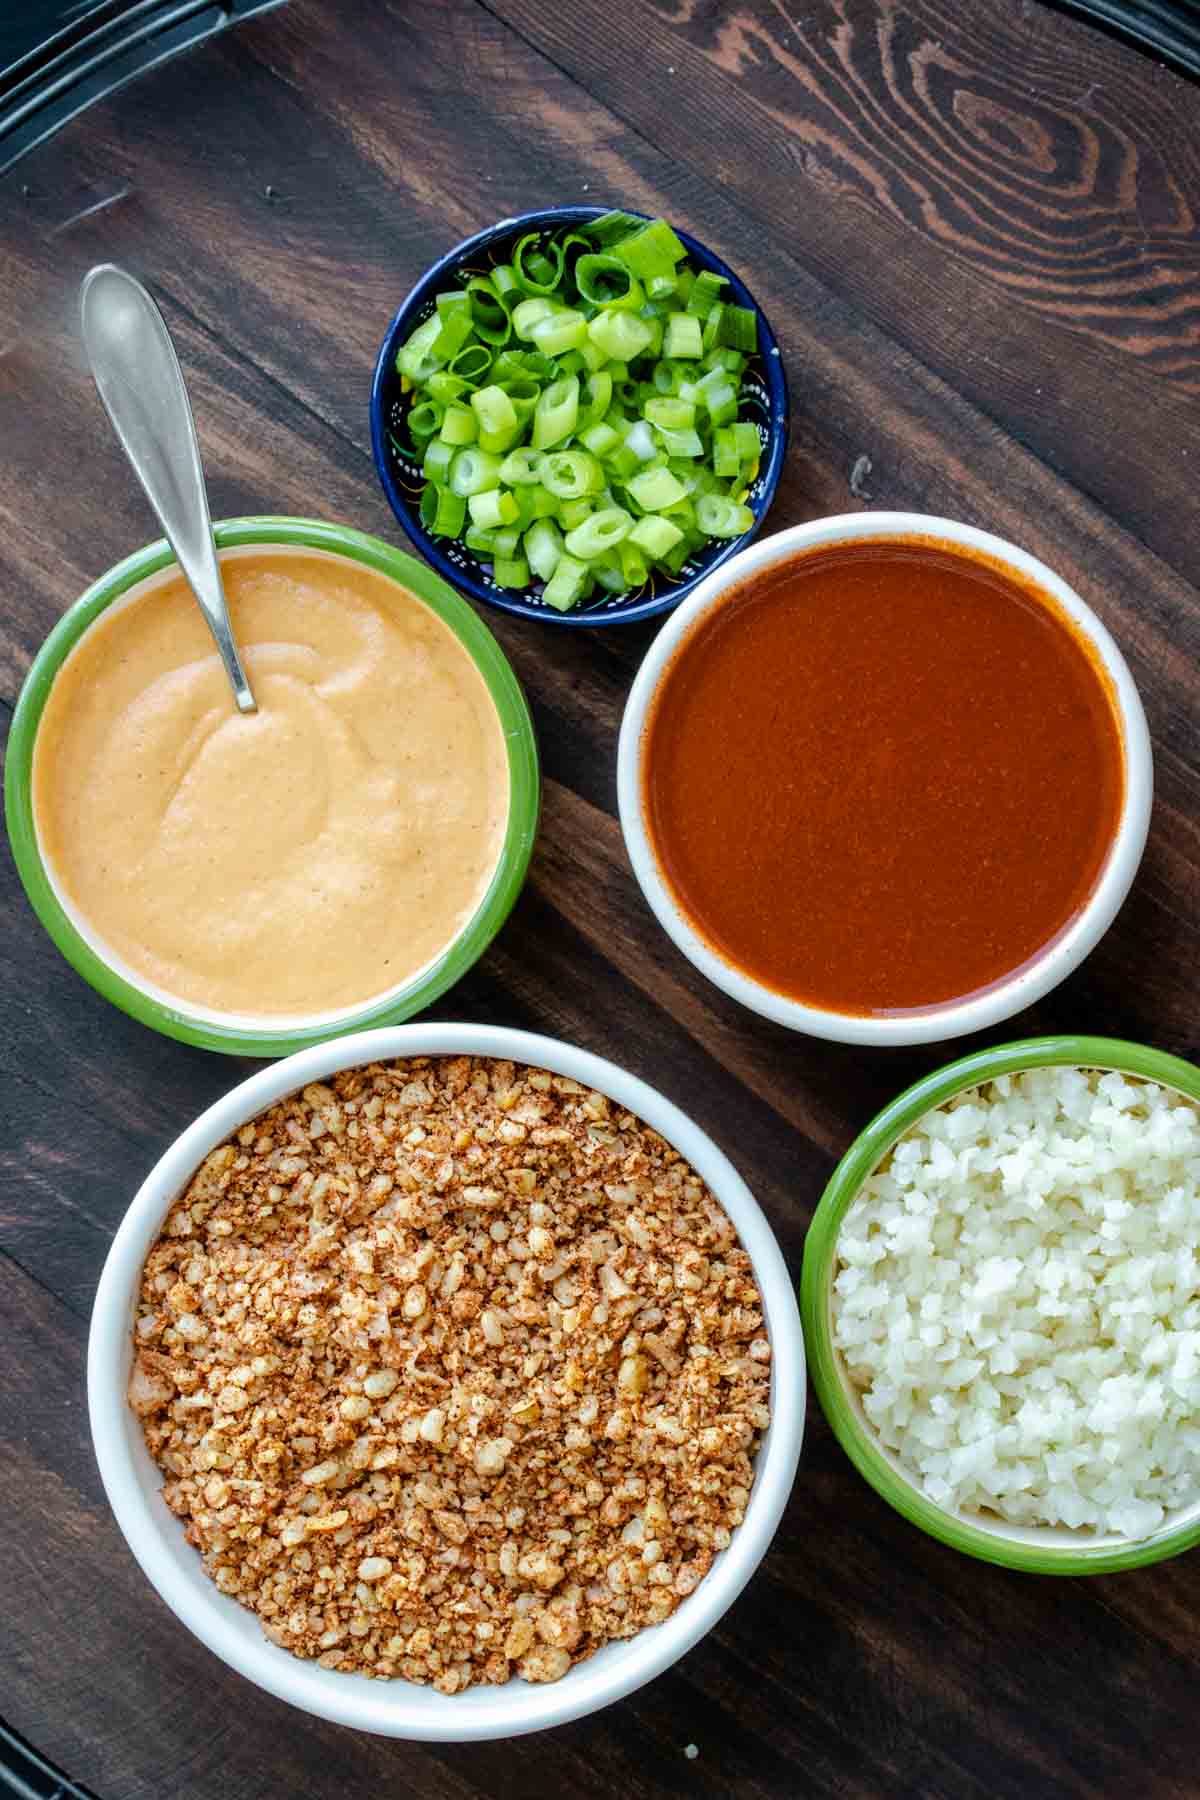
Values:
[(300, 859), (883, 777)]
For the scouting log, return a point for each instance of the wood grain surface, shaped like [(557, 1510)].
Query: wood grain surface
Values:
[(975, 229)]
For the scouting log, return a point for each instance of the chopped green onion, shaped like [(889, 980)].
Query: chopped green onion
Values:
[(683, 514), (423, 421), (684, 336), (706, 293), (543, 547), (490, 317), (623, 463), (491, 508), (654, 250), (559, 331), (524, 393), (444, 387), (599, 533), (454, 314), (654, 489), (712, 326), (746, 439), (565, 587), (543, 504), (720, 401), (620, 334), (727, 460), (472, 364), (571, 474), (459, 425), (424, 336), (520, 467), (608, 574), (538, 270), (447, 511), (738, 329), (510, 572), (557, 413), (606, 281), (474, 472), (655, 536), (720, 517), (732, 361), (697, 478), (641, 440), (507, 365), (529, 312), (573, 512), (435, 464), (508, 288), (576, 410), (416, 361), (497, 442), (634, 566), (427, 510), (670, 412), (494, 410), (674, 560), (681, 443), (610, 227), (600, 439), (597, 396)]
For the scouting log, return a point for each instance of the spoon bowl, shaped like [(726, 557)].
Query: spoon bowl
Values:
[(138, 377)]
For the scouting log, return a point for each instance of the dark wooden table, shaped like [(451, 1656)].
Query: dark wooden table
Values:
[(975, 229)]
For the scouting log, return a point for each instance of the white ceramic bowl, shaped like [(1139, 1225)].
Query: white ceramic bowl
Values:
[(1035, 978), (399, 1708)]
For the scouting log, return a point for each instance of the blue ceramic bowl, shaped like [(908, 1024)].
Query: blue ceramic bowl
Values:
[(764, 399)]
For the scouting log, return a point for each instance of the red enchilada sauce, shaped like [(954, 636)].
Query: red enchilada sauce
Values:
[(884, 777)]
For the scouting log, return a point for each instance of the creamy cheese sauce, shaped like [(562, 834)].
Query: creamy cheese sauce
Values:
[(303, 859)]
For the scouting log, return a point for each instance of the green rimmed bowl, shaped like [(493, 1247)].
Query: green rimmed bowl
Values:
[(236, 1037), (1044, 1550)]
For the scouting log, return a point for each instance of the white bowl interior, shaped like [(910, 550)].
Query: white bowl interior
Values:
[(398, 1708), (993, 1004)]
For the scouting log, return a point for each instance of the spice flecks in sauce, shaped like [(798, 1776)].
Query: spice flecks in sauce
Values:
[(302, 859), (883, 777)]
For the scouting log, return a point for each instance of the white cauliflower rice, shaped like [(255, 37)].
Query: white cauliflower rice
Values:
[(1018, 1301)]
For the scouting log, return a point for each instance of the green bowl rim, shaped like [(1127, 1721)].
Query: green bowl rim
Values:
[(874, 1142), (524, 804)]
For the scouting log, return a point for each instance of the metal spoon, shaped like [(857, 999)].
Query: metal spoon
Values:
[(141, 384)]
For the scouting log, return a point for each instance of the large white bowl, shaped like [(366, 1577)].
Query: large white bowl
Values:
[(1036, 977), (399, 1708)]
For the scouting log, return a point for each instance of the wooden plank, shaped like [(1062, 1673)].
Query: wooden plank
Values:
[(1009, 194), (1009, 331)]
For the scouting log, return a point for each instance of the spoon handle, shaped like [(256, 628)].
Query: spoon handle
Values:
[(141, 384)]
